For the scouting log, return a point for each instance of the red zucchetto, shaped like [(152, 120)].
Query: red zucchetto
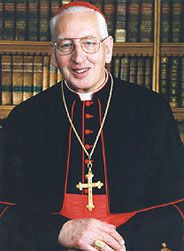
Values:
[(82, 4)]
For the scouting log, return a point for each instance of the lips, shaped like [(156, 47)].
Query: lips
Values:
[(81, 73)]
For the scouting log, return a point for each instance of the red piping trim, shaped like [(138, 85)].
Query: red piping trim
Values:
[(7, 203), (4, 211), (179, 210)]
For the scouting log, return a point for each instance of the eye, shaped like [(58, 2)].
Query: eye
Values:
[(64, 45), (89, 42)]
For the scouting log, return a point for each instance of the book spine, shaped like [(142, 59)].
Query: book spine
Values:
[(8, 20), (1, 20), (148, 72), (44, 17), (124, 69), (116, 67), (21, 20), (146, 21), (37, 74), (164, 76), (109, 11), (176, 25), (165, 21), (55, 5), (173, 97), (17, 79), (27, 77), (120, 32), (182, 82), (133, 20), (46, 76), (6, 80), (33, 24), (53, 75), (133, 70), (140, 71), (59, 75)]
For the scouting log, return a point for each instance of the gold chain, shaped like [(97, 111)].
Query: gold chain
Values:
[(100, 129)]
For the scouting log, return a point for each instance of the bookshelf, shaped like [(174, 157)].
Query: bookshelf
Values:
[(155, 49)]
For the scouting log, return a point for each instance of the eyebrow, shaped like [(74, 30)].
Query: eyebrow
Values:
[(71, 38)]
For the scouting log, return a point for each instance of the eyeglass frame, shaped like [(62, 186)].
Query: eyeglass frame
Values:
[(98, 41)]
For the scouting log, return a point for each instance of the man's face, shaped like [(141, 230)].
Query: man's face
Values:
[(83, 72)]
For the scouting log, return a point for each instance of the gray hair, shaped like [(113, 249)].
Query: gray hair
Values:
[(101, 20)]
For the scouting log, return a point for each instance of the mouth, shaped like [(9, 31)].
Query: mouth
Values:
[(81, 71)]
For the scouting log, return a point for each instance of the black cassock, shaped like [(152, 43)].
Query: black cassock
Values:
[(139, 150)]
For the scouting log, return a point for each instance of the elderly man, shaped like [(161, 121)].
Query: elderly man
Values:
[(92, 163)]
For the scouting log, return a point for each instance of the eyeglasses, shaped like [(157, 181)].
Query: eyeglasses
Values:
[(88, 44)]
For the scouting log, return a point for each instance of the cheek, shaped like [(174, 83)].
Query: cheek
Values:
[(63, 62)]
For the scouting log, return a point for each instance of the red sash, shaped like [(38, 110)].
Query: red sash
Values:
[(74, 207)]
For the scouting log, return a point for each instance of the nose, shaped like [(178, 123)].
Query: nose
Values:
[(78, 55)]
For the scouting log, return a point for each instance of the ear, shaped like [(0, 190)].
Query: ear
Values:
[(109, 49), (53, 56)]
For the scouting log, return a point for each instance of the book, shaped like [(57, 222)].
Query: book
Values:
[(27, 76), (6, 80), (59, 75), (148, 72), (146, 21), (8, 20), (165, 25), (53, 75), (120, 23), (164, 64), (17, 82), (181, 70), (116, 67), (21, 21), (33, 23), (46, 75), (37, 74), (55, 5), (173, 95), (124, 69), (1, 20), (177, 20), (133, 20), (133, 70), (109, 11), (140, 71), (44, 19)]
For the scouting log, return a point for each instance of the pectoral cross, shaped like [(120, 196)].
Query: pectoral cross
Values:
[(164, 245), (90, 185)]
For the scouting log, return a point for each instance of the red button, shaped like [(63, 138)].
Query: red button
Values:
[(88, 103), (88, 146), (87, 131), (89, 116)]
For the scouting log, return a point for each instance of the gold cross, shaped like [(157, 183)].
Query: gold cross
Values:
[(90, 186)]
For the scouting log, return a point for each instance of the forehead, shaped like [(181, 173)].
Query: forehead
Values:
[(77, 25)]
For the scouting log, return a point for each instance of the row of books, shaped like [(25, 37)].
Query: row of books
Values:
[(172, 18), (172, 80), (23, 76), (136, 70), (29, 19)]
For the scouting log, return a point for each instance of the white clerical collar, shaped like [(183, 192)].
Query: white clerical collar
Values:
[(88, 95)]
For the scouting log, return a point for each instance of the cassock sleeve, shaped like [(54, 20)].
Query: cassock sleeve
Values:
[(23, 226)]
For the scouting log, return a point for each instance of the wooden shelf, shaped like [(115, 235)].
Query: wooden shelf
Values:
[(43, 47), (178, 113), (172, 49)]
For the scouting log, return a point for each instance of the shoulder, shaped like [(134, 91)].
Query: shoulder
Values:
[(38, 103), (138, 96)]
